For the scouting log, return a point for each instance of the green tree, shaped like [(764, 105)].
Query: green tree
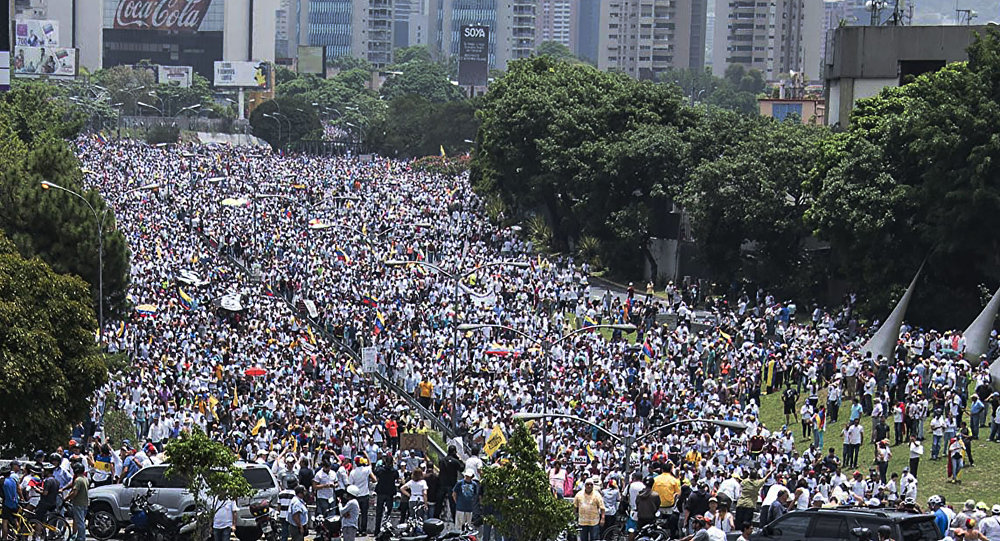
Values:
[(55, 226), (913, 178), (417, 127), (49, 363), (283, 75), (751, 193), (519, 491), (345, 63), (289, 119), (126, 85), (420, 53), (556, 50), (594, 153), (209, 470), (426, 79)]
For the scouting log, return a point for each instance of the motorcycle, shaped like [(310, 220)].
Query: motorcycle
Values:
[(328, 526), (152, 522), (264, 516), (431, 529)]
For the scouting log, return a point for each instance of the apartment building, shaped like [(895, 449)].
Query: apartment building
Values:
[(644, 38)]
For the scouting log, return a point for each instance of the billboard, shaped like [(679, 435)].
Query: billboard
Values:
[(171, 15), (473, 55), (175, 75), (36, 33), (312, 59), (242, 74), (35, 61)]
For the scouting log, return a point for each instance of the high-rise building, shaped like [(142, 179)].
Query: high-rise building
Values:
[(774, 36), (644, 38), (513, 27), (359, 28), (587, 29), (555, 21)]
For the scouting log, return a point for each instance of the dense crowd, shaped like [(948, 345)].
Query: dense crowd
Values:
[(239, 249)]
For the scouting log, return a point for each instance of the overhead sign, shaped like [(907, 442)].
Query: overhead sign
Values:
[(36, 33), (172, 15), (473, 55), (175, 75), (242, 74), (35, 61)]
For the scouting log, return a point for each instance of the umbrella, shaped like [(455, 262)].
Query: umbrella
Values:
[(233, 202), (316, 223), (255, 371)]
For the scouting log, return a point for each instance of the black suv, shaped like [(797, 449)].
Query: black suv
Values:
[(842, 523)]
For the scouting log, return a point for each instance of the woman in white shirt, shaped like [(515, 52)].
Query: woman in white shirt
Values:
[(416, 490)]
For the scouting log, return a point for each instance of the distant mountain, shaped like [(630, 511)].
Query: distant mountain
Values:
[(943, 11)]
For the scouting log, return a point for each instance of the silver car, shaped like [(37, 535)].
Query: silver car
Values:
[(109, 504)]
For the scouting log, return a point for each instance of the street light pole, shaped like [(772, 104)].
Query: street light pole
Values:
[(46, 185)]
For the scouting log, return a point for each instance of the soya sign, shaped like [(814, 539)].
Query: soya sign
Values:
[(176, 15)]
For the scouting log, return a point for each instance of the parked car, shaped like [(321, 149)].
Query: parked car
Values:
[(839, 523), (109, 505)]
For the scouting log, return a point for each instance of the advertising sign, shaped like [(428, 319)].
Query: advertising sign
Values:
[(369, 359), (312, 59), (172, 15), (175, 76), (5, 48), (34, 61), (36, 33), (242, 74), (473, 55)]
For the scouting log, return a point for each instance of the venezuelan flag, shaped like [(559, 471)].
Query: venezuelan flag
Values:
[(648, 352), (268, 290), (379, 323), (186, 301), (588, 322), (370, 300), (342, 255), (122, 327)]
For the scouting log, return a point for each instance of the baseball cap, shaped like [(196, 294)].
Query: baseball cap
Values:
[(469, 473)]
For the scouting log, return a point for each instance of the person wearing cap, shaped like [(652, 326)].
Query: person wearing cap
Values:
[(966, 513), (589, 507), (990, 526), (350, 512), (465, 496)]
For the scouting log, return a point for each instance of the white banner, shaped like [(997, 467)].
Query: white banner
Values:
[(175, 75), (369, 359), (242, 74), (36, 33), (31, 61)]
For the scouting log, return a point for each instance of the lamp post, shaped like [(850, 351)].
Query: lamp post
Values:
[(629, 441), (278, 121), (547, 346), (155, 108), (46, 185), (457, 278)]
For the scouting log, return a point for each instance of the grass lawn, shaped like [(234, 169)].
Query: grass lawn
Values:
[(981, 483)]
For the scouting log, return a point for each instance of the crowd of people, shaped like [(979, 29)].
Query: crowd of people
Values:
[(260, 281)]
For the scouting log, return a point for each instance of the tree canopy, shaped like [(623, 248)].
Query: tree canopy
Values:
[(49, 362), (914, 178), (50, 224)]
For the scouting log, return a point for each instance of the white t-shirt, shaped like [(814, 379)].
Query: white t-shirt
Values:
[(324, 478), (474, 463), (224, 516), (417, 489)]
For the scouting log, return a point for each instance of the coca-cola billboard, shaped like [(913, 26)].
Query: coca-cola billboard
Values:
[(176, 15)]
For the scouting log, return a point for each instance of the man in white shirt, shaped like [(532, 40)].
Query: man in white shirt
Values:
[(323, 483), (360, 477), (916, 451), (224, 522), (474, 463)]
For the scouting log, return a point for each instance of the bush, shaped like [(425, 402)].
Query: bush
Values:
[(163, 134)]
